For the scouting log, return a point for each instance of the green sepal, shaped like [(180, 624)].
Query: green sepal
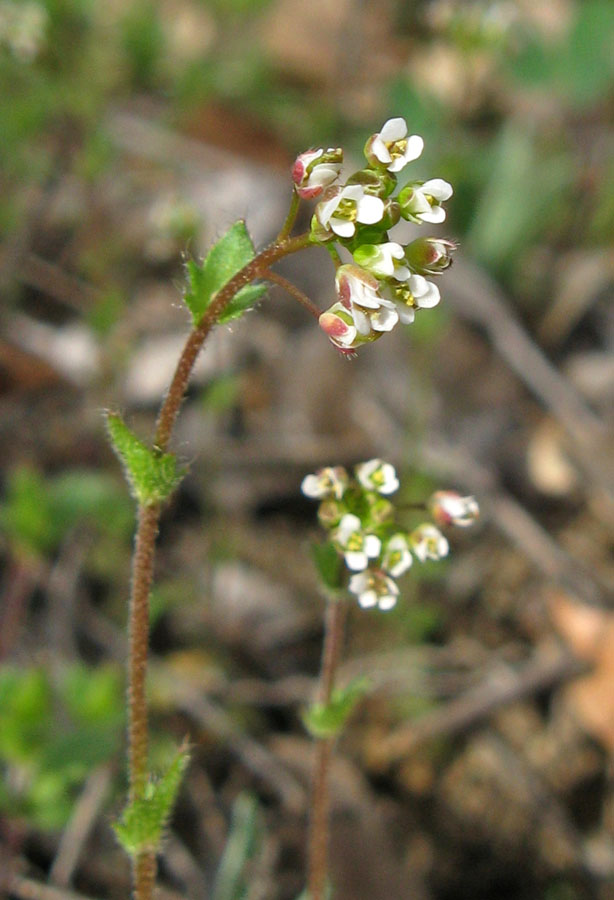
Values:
[(142, 823), (152, 475), (328, 565), (227, 257), (326, 720)]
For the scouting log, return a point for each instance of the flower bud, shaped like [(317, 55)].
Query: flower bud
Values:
[(330, 513), (428, 542), (429, 256), (449, 508), (380, 509), (378, 183), (315, 170)]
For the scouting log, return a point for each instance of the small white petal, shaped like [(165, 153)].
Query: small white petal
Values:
[(430, 297), (356, 560), (372, 545), (435, 215), (380, 150), (387, 602), (342, 227), (438, 188), (393, 130), (368, 599), (401, 273), (362, 321), (369, 210), (415, 146), (406, 313), (311, 486), (384, 319)]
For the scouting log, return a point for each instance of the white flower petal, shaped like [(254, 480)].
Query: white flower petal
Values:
[(435, 216), (369, 210), (372, 545), (415, 146), (362, 321), (368, 599), (387, 602), (393, 130), (380, 150), (342, 227), (406, 313), (438, 188), (311, 486), (356, 560)]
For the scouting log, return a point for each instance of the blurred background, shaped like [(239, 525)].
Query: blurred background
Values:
[(132, 134)]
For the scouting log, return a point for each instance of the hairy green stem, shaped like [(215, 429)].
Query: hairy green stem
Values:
[(288, 225), (144, 864), (319, 826)]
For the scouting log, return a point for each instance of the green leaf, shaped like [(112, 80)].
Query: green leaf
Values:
[(233, 251), (152, 475), (242, 301), (328, 565), (144, 819), (325, 720), (231, 882)]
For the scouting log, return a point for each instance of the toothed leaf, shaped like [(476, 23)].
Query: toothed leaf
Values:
[(233, 251), (152, 475), (143, 821), (325, 720)]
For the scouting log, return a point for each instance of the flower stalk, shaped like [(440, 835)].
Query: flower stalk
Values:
[(144, 862), (319, 827)]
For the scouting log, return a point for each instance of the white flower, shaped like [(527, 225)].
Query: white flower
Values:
[(371, 313), (311, 176), (345, 207), (415, 293), (392, 147), (376, 475), (383, 260), (397, 559), (422, 202), (428, 542), (328, 482), (374, 588), (449, 508), (357, 546)]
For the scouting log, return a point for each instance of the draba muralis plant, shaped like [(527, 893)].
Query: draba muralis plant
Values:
[(386, 283)]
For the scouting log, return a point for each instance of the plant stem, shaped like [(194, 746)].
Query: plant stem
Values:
[(144, 864), (288, 225), (320, 799), (292, 289)]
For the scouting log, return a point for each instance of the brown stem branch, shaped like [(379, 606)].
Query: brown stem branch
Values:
[(292, 289), (320, 798), (144, 865)]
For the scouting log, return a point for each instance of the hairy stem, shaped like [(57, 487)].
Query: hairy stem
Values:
[(144, 865), (288, 225), (320, 798), (292, 289)]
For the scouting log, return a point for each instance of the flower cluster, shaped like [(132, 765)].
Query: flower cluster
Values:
[(386, 283), (362, 527)]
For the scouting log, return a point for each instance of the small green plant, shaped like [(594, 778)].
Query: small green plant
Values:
[(384, 285)]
